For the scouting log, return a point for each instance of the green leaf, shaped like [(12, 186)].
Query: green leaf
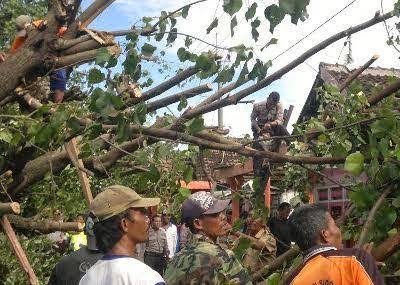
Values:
[(185, 11), (131, 62), (184, 192), (238, 225), (272, 41), (102, 56), (204, 62), (148, 50), (274, 15), (233, 25), (172, 35), (354, 163), (188, 174), (396, 202), (173, 22), (188, 41), (195, 125), (212, 25), (242, 247), (232, 6), (273, 279), (123, 132), (297, 9), (162, 26), (225, 75), (147, 20), (182, 103), (95, 76), (6, 136), (182, 54), (251, 11), (140, 112), (153, 174), (112, 62), (254, 25)]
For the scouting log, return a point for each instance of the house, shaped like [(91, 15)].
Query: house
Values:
[(323, 190)]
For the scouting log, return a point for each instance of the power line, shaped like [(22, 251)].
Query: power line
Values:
[(316, 29)]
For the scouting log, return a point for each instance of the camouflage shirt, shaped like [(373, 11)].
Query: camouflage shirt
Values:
[(262, 114), (204, 262)]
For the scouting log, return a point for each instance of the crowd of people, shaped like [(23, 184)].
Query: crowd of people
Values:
[(126, 246)]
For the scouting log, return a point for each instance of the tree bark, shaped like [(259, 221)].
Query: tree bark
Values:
[(18, 251), (387, 248), (155, 105), (44, 226), (10, 208), (159, 89), (277, 263)]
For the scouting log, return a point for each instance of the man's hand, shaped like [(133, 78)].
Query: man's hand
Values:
[(2, 57), (368, 248), (267, 126)]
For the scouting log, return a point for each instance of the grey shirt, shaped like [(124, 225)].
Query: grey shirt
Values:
[(157, 241)]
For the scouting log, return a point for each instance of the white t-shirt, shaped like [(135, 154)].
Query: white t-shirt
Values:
[(121, 270), (172, 239)]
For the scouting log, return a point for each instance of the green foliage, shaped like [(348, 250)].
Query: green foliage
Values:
[(148, 50), (354, 163), (41, 256), (233, 25), (232, 6), (251, 11), (195, 125), (213, 24), (242, 247), (274, 15), (95, 76)]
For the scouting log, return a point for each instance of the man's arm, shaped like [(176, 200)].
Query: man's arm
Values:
[(279, 115), (165, 244)]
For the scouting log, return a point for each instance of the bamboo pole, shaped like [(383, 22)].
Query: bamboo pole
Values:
[(18, 251), (73, 152)]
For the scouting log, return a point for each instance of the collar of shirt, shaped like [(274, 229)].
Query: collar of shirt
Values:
[(260, 233), (202, 237), (314, 251)]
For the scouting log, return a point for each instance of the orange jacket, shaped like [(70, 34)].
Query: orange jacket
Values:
[(325, 265)]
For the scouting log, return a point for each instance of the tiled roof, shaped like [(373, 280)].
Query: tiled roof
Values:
[(371, 79)]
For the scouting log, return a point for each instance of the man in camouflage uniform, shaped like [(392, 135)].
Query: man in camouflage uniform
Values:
[(203, 260), (262, 250), (266, 121)]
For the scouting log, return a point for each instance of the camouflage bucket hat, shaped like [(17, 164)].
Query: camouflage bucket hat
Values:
[(116, 199), (202, 203)]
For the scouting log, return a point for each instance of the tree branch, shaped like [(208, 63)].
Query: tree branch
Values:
[(174, 12), (326, 177), (45, 226), (371, 217), (357, 72), (277, 263), (10, 208), (250, 152), (159, 89), (279, 73), (152, 106)]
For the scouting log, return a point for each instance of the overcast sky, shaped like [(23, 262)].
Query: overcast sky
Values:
[(293, 87)]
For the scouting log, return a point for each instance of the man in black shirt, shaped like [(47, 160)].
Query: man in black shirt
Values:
[(279, 227), (71, 268)]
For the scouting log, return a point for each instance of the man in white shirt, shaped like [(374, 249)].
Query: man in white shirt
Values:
[(171, 232), (120, 223)]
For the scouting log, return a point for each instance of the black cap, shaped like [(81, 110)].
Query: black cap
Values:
[(202, 203)]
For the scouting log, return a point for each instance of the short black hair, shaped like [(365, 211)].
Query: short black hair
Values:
[(306, 223), (109, 232), (275, 96), (189, 222), (283, 206), (155, 216)]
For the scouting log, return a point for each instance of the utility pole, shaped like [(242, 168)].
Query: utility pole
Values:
[(220, 114)]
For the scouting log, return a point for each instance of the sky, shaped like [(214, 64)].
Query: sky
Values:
[(295, 86)]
